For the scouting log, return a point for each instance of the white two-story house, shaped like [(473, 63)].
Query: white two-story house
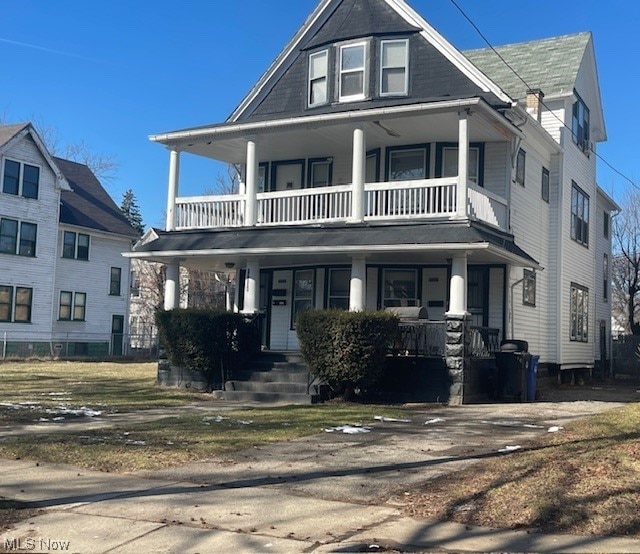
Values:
[(64, 285), (381, 167)]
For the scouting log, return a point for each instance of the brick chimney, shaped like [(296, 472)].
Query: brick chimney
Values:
[(535, 97)]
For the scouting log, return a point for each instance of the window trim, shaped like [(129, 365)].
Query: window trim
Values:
[(312, 296), (581, 294), (375, 154), (311, 163), (393, 149), (311, 81), (329, 296), (21, 246), (521, 167), (580, 224), (529, 288), (73, 305), (545, 184), (381, 68), (581, 128), (76, 246), (8, 304), (364, 69), (440, 149), (115, 284), (13, 304), (274, 172), (20, 184)]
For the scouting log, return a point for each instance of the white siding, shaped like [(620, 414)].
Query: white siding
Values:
[(496, 299), (496, 172)]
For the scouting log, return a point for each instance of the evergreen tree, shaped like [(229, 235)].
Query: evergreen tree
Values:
[(131, 211)]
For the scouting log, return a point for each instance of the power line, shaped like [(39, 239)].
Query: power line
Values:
[(505, 62)]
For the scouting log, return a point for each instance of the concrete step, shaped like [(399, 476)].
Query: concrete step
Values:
[(270, 397), (257, 386), (272, 376)]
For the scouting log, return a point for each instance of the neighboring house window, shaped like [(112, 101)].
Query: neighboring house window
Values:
[(605, 278), (521, 163), (400, 288), (606, 225), (18, 237), (529, 288), (339, 285), (579, 311), (72, 306), (75, 246), (580, 124), (115, 281), (579, 215), (318, 78), (545, 184), (407, 163), (21, 179), (303, 289), (15, 304), (135, 283), (352, 70), (447, 162), (394, 67), (320, 172)]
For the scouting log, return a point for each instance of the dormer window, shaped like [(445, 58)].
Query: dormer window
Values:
[(353, 63), (394, 67), (318, 78), (580, 125)]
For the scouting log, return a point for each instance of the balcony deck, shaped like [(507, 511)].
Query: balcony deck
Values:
[(391, 201)]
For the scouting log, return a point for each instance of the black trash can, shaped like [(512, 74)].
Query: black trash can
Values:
[(511, 365)]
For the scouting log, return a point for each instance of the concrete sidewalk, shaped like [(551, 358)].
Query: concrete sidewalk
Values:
[(331, 492)]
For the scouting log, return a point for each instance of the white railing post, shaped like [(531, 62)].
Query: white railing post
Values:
[(463, 161), (358, 174), (251, 201), (172, 193)]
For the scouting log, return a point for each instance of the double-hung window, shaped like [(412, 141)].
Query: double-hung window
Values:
[(605, 278), (72, 306), (21, 179), (15, 304), (303, 292), (579, 215), (318, 78), (580, 124), (407, 163), (521, 164), (339, 286), (529, 288), (545, 184), (18, 237), (448, 156), (394, 67), (115, 280), (400, 288), (320, 171), (352, 70), (579, 313), (75, 246)]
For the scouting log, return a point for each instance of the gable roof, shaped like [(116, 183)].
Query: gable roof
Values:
[(88, 204), (336, 20), (550, 65), (16, 132)]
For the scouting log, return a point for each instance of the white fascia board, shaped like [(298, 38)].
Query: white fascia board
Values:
[(94, 232), (448, 50), (612, 203), (357, 116), (278, 64)]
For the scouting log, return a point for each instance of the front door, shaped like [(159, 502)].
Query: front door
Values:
[(434, 296), (117, 334)]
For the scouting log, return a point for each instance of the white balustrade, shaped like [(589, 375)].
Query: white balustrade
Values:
[(487, 207), (207, 212)]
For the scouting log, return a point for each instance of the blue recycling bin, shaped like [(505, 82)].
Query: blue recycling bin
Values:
[(532, 378)]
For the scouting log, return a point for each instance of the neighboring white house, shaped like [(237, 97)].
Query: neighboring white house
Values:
[(382, 167), (64, 284)]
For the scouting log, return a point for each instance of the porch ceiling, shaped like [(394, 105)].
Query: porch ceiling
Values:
[(331, 135)]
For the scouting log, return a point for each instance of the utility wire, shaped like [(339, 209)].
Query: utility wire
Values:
[(505, 62)]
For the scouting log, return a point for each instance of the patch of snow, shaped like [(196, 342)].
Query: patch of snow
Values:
[(59, 418), (434, 420), (348, 429), (555, 429), (391, 419), (136, 443), (82, 411), (217, 419), (42, 419), (507, 449)]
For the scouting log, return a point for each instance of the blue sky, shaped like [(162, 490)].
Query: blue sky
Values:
[(112, 73)]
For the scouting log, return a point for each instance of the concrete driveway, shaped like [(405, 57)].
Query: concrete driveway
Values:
[(331, 492)]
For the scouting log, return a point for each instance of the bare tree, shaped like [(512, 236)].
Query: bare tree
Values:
[(226, 182), (626, 263)]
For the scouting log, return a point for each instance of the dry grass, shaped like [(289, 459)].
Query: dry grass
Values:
[(583, 480)]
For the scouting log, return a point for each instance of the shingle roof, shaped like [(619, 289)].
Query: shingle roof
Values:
[(550, 65), (7, 132), (89, 205)]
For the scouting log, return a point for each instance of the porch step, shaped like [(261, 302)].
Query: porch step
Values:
[(281, 377)]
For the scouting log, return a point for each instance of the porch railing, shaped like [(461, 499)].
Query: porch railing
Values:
[(484, 342), (397, 200)]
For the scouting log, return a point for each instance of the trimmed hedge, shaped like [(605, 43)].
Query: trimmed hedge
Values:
[(199, 339), (346, 350)]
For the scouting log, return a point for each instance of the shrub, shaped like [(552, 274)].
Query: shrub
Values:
[(347, 350)]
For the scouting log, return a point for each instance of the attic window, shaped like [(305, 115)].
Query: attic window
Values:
[(353, 60), (318, 70), (21, 179), (580, 125), (394, 67)]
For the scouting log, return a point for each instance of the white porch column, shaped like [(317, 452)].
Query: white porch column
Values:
[(358, 285), (463, 161), (172, 287), (458, 286), (251, 287), (174, 173), (358, 174), (251, 201)]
